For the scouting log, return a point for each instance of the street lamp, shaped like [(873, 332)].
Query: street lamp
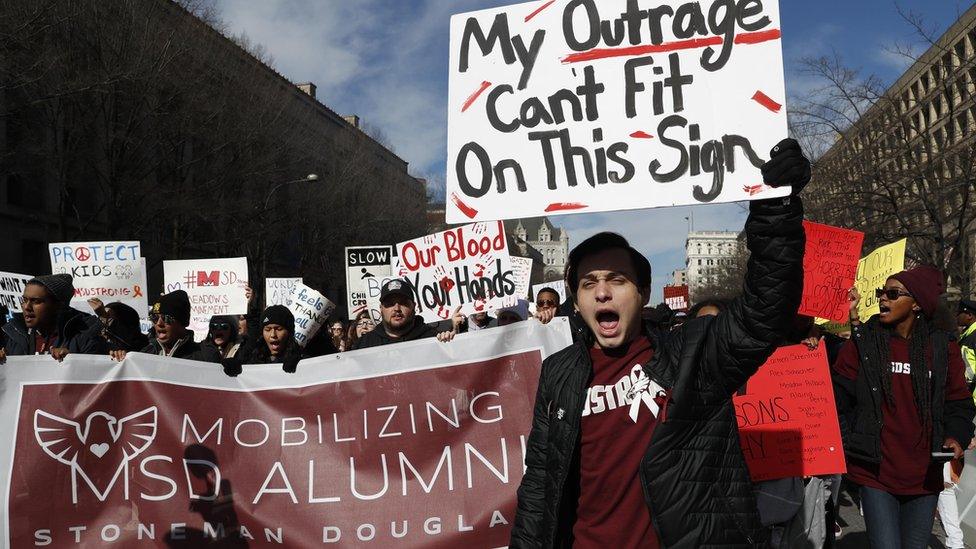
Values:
[(310, 177)]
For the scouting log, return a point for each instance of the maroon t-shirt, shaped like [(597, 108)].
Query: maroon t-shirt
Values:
[(611, 510), (906, 466)]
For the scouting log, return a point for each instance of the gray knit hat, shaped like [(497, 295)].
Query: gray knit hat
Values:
[(60, 286)]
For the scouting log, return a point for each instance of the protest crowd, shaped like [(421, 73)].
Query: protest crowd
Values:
[(673, 477)]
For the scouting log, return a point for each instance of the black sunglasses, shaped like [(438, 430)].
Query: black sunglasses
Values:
[(545, 303), (167, 319), (891, 293), (219, 326)]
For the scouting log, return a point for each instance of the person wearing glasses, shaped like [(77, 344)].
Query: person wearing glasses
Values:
[(547, 299), (223, 335), (49, 325), (904, 408), (170, 316), (120, 325), (362, 325)]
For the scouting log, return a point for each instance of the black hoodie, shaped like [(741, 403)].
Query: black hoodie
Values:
[(77, 331)]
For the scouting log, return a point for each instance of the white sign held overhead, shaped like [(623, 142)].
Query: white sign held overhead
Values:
[(215, 287), (589, 106)]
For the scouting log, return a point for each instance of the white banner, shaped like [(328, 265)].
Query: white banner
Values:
[(364, 266), (467, 267), (12, 289), (522, 273), (311, 309), (278, 290), (594, 105), (109, 271), (215, 287), (156, 452)]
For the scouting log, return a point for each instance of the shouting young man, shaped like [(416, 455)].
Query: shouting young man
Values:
[(634, 440)]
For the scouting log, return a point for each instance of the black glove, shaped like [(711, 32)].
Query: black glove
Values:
[(289, 362), (232, 366), (787, 167)]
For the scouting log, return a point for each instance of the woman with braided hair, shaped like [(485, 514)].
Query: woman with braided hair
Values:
[(901, 397)]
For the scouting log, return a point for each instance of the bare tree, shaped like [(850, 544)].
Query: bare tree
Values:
[(898, 162)]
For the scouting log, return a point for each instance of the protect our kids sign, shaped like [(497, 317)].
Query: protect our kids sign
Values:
[(467, 267), (601, 105)]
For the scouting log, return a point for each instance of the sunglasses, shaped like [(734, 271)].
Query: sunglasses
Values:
[(219, 326), (891, 293), (545, 303), (364, 323), (167, 319)]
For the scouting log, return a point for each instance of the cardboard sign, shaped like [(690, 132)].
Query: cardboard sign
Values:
[(364, 263), (787, 417), (872, 272), (467, 267), (215, 287), (12, 289), (379, 447), (109, 271), (522, 272), (278, 290), (677, 297), (829, 268), (589, 106), (311, 309)]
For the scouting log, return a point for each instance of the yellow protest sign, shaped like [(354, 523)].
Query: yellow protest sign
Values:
[(872, 271)]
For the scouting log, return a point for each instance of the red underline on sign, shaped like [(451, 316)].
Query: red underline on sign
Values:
[(465, 209), (690, 44), (766, 101), (641, 135), (536, 12), (563, 206), (474, 96)]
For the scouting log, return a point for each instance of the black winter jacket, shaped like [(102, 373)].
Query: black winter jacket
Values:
[(859, 402), (694, 476), (379, 336), (80, 333), (188, 349)]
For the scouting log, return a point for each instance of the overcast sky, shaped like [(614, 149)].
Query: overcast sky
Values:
[(387, 61)]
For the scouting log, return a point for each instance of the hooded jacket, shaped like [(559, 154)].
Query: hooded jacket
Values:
[(377, 337), (77, 331), (693, 474)]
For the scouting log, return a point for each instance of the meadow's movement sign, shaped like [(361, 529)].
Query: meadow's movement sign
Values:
[(215, 287), (599, 105), (380, 446)]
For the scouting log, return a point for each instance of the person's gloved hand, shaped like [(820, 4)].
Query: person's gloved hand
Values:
[(232, 366), (787, 167)]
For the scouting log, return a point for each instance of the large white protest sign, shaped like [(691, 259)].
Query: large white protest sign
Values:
[(215, 287), (278, 290), (311, 309), (12, 289), (467, 267), (590, 106), (365, 264), (426, 437), (109, 271)]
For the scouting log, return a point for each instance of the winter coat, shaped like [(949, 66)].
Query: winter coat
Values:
[(859, 402), (378, 336), (77, 331), (696, 484), (186, 349)]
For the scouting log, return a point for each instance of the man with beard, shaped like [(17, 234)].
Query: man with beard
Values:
[(400, 322)]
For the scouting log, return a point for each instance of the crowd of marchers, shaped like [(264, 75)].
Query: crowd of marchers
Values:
[(660, 466)]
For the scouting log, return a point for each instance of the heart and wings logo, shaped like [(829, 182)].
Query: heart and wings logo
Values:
[(98, 449)]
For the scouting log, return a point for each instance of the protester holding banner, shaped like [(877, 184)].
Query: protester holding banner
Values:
[(904, 408), (479, 321), (360, 327), (49, 325), (546, 298), (337, 331), (400, 322), (271, 339), (633, 441), (170, 317), (223, 336), (121, 326)]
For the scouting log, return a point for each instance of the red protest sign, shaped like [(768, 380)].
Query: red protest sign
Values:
[(787, 417), (829, 267), (677, 297)]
